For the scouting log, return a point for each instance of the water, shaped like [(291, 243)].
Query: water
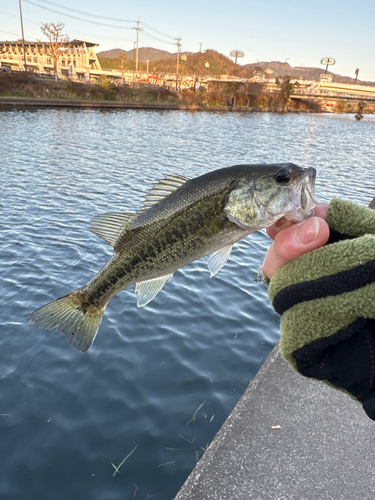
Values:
[(161, 379)]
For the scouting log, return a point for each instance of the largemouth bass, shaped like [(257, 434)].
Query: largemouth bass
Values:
[(182, 220)]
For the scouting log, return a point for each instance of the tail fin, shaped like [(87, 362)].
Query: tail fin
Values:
[(65, 315)]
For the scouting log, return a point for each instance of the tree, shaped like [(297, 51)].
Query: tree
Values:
[(58, 42), (123, 60), (286, 87)]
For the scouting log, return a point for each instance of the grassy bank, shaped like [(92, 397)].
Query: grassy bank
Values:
[(250, 97), (34, 87)]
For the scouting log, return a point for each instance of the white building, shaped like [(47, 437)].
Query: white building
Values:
[(77, 59)]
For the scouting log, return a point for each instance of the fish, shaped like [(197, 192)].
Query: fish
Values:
[(181, 220)]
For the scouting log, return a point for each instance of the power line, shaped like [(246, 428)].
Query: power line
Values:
[(156, 31), (101, 17), (108, 18), (158, 39), (79, 18), (9, 14), (17, 17), (94, 36), (147, 26), (8, 33), (87, 13)]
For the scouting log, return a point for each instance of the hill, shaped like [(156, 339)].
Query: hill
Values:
[(161, 61), (165, 62), (280, 69), (144, 54)]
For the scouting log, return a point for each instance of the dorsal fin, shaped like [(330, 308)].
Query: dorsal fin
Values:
[(110, 226), (163, 188)]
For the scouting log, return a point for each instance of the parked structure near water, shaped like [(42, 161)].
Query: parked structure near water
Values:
[(78, 59)]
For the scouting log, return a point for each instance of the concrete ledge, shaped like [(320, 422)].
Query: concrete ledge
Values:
[(75, 103), (324, 447)]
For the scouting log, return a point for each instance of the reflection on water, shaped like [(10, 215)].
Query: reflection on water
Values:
[(162, 378)]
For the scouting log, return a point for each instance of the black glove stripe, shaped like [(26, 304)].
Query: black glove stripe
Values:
[(335, 359), (335, 236), (336, 284)]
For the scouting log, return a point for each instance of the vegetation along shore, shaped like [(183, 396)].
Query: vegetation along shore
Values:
[(238, 96)]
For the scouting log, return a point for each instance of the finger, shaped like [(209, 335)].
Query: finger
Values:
[(320, 210), (294, 241), (279, 226)]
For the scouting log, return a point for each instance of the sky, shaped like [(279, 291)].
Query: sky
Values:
[(300, 33)]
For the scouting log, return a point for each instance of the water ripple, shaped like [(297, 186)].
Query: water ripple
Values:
[(164, 377)]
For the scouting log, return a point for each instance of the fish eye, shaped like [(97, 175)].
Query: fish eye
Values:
[(283, 177)]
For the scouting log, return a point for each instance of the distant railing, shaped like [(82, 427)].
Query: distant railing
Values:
[(318, 91)]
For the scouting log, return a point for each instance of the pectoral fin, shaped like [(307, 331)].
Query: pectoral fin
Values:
[(218, 259), (147, 290)]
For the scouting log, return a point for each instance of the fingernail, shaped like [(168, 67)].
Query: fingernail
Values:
[(307, 231)]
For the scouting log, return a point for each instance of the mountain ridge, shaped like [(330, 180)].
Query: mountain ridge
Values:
[(275, 69)]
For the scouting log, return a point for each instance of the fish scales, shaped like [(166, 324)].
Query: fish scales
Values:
[(182, 220), (163, 247)]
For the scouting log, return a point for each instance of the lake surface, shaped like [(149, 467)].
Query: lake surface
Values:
[(160, 380)]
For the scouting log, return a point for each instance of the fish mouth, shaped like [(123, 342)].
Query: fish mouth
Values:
[(301, 196), (308, 189)]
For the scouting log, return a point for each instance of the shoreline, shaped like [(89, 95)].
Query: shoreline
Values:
[(76, 103)]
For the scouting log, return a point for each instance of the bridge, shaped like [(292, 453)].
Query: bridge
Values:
[(331, 91)]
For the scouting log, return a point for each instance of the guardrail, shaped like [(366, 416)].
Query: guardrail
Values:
[(316, 93)]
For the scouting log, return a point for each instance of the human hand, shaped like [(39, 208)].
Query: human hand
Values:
[(294, 239), (326, 298)]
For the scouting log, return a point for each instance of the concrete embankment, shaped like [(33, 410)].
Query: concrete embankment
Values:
[(6, 102), (288, 438)]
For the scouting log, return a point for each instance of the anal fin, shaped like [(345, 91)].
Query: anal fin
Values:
[(218, 259), (147, 290)]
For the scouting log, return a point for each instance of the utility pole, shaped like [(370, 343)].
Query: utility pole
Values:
[(178, 58), (23, 37), (136, 53), (133, 62)]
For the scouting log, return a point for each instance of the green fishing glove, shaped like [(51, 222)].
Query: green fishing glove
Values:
[(326, 299)]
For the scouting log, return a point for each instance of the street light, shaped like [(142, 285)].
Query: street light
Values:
[(236, 54), (287, 59), (329, 61)]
